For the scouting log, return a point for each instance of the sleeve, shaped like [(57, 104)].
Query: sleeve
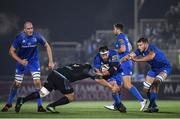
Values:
[(114, 63), (97, 62), (115, 57), (151, 48), (41, 39), (16, 43), (137, 52), (119, 42)]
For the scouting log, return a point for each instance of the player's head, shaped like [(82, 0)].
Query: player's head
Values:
[(28, 28), (117, 29), (142, 44), (104, 53)]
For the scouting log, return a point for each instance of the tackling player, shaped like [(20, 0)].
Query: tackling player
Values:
[(160, 69), (107, 62), (60, 79), (24, 50), (123, 47)]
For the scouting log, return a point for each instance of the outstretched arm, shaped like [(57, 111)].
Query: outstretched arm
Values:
[(50, 58), (148, 57)]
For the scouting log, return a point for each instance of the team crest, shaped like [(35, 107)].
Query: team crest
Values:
[(115, 57), (121, 41)]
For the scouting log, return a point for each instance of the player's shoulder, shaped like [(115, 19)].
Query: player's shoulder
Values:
[(20, 35), (152, 47), (112, 52), (35, 33)]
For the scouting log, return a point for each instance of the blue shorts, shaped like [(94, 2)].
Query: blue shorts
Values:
[(154, 72), (32, 66), (116, 77), (126, 68)]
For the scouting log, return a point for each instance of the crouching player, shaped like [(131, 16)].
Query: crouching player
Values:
[(107, 62), (61, 79), (160, 69)]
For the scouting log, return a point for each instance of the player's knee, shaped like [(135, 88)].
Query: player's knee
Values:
[(37, 83), (158, 80), (71, 97), (147, 86), (16, 84)]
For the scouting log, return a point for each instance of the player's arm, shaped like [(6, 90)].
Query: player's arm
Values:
[(49, 53), (112, 69), (148, 57), (103, 82), (12, 52), (121, 49)]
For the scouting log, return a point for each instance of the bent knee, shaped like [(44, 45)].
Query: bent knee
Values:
[(71, 97)]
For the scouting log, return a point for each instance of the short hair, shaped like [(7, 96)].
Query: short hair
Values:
[(103, 49), (27, 22), (144, 40), (119, 26)]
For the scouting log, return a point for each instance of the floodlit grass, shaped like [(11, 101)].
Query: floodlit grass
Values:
[(95, 109)]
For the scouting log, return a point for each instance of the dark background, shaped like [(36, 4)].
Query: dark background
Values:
[(68, 20)]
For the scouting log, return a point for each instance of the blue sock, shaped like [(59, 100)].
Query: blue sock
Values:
[(12, 94), (153, 97), (116, 98), (136, 93), (39, 100)]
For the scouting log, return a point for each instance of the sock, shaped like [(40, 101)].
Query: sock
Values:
[(153, 97), (119, 95), (116, 98), (148, 95), (32, 96), (136, 93), (12, 94), (62, 101), (39, 100)]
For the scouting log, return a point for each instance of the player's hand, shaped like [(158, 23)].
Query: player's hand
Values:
[(24, 62), (51, 65), (105, 73), (134, 59)]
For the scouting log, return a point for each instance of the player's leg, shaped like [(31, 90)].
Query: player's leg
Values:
[(126, 77), (13, 91), (45, 90), (115, 82), (67, 98), (37, 83), (34, 68), (155, 89), (63, 85), (147, 87), (117, 95)]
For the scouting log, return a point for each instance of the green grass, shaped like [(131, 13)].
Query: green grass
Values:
[(168, 109)]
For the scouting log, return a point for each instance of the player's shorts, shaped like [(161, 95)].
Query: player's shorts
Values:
[(116, 77), (33, 67), (154, 72), (126, 68), (57, 81)]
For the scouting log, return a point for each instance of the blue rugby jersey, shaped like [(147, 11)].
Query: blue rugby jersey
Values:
[(122, 40), (160, 60), (27, 45)]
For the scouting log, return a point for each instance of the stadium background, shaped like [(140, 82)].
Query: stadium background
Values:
[(76, 29)]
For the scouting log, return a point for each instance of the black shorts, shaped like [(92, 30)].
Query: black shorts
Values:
[(56, 81)]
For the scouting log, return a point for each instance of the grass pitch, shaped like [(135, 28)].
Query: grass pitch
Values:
[(95, 109)]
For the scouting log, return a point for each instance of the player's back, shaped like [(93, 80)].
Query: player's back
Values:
[(123, 40), (74, 72), (160, 58)]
